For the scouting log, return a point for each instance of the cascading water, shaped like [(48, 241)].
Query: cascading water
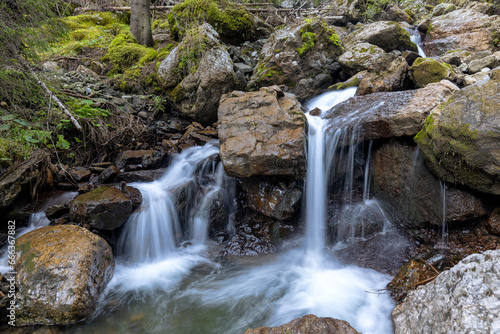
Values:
[(182, 290), (417, 39)]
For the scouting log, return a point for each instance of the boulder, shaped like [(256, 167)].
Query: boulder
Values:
[(362, 57), (262, 133), (104, 208), (308, 324), (393, 114), (61, 271), (462, 29), (387, 35), (443, 8), (491, 61), (411, 195), (493, 224), (425, 71), (80, 175), (141, 175), (461, 144), (273, 198), (249, 241), (301, 56), (461, 300), (197, 72), (109, 174), (147, 159), (392, 76)]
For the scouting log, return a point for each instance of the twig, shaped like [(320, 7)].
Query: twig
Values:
[(430, 265)]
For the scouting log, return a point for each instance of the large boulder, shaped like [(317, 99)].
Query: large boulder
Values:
[(393, 114), (262, 133), (463, 29), (409, 193), (308, 324), (392, 76), (362, 57), (461, 144), (385, 34), (197, 72), (464, 299), (302, 56), (61, 271), (104, 208), (425, 71)]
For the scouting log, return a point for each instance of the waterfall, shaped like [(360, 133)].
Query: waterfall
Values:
[(152, 232), (417, 39), (444, 226)]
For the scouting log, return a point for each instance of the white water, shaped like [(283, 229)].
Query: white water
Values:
[(159, 287), (417, 39)]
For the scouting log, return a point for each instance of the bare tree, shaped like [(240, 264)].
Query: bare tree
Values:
[(140, 22)]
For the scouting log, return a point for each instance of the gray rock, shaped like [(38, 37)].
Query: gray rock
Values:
[(244, 68), (462, 300), (443, 8), (477, 65)]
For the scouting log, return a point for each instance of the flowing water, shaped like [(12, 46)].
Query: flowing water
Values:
[(417, 39), (169, 281)]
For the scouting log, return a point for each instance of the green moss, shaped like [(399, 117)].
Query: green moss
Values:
[(230, 20), (426, 70), (124, 52), (28, 263), (308, 42)]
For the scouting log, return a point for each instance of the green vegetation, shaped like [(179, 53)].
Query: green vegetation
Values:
[(124, 52), (425, 71), (308, 42), (230, 20)]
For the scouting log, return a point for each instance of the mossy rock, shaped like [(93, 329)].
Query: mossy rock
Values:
[(124, 52), (426, 70), (362, 57), (461, 144)]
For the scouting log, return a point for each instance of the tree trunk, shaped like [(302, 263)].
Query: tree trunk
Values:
[(140, 22)]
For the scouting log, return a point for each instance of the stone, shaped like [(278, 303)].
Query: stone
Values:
[(477, 65), (392, 76), (56, 211), (244, 68), (87, 71), (135, 196), (462, 29), (61, 272), (461, 144), (273, 198), (411, 195), (141, 175), (493, 223), (387, 35), (146, 158), (104, 208), (410, 275), (196, 85), (461, 300), (108, 175), (301, 56), (391, 114), (362, 57), (410, 56), (273, 145), (51, 66), (78, 176), (249, 241), (308, 324), (443, 8), (143, 115), (425, 71)]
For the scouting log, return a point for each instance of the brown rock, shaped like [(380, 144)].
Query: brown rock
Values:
[(108, 175), (61, 271), (262, 134), (493, 223), (140, 175), (146, 158), (78, 176), (56, 211), (315, 112), (135, 196), (391, 77), (308, 324), (409, 277), (104, 208)]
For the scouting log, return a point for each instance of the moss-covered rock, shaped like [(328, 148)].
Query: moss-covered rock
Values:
[(306, 61), (361, 57), (196, 74), (387, 35), (61, 271), (232, 21), (461, 145), (124, 52), (426, 70)]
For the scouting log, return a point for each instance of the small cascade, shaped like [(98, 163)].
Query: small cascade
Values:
[(443, 244), (152, 233), (416, 38)]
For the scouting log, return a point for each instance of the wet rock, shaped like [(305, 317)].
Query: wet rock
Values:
[(249, 241), (108, 175), (411, 195), (301, 56), (410, 276), (61, 271), (141, 175), (461, 143), (147, 159), (273, 145), (385, 34), (410, 57), (425, 71), (391, 76), (56, 211), (272, 197), (66, 186), (460, 300), (462, 29), (104, 208), (134, 194), (196, 87), (308, 324), (218, 214), (393, 114), (80, 175), (493, 224)]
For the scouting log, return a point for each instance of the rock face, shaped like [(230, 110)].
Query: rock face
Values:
[(463, 29), (462, 143), (394, 114), (302, 56), (61, 270), (425, 71), (262, 133), (104, 208), (308, 324), (385, 34), (197, 72), (463, 299), (409, 193)]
